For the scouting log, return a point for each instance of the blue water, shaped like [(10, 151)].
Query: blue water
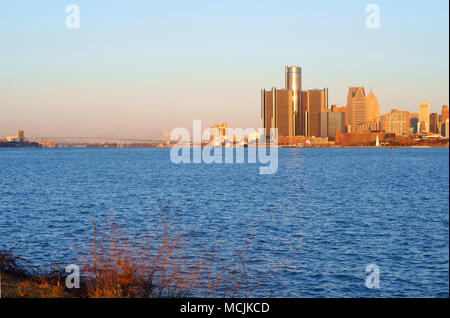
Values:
[(313, 227)]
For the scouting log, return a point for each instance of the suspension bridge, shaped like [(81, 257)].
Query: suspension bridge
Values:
[(112, 137)]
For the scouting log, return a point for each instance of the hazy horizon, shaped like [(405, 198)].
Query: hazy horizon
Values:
[(151, 67)]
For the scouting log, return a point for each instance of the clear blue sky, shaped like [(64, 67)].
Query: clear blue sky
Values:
[(156, 65)]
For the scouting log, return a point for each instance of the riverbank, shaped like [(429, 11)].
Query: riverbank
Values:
[(13, 144), (114, 266), (13, 286), (19, 279)]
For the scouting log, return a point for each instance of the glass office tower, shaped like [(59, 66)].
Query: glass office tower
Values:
[(294, 83)]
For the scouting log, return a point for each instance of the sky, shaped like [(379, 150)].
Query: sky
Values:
[(150, 66)]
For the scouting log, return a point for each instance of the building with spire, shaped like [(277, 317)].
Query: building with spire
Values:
[(356, 107)]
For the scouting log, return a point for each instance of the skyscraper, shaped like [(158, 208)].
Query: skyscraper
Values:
[(20, 136), (444, 113), (276, 111), (373, 108), (446, 129), (342, 109), (413, 122), (331, 121), (293, 75), (424, 118), (318, 99), (434, 123), (356, 106), (304, 114)]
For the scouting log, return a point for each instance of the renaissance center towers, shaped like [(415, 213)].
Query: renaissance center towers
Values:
[(294, 83), (282, 108)]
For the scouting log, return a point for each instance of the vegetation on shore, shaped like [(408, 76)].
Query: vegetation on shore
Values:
[(116, 266), (19, 279)]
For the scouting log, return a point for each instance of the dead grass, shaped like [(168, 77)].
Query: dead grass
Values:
[(116, 267), (20, 279), (33, 287)]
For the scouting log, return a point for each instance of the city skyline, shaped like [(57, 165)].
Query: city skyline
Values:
[(358, 122), (233, 156), (103, 75)]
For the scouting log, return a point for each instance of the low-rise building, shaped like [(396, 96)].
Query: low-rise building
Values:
[(396, 122), (358, 138)]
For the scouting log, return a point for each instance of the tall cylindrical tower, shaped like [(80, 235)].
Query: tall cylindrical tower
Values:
[(294, 83)]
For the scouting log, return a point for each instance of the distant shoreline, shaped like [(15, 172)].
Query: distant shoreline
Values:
[(279, 146)]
